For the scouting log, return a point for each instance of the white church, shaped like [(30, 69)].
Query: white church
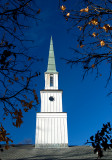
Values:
[(51, 122)]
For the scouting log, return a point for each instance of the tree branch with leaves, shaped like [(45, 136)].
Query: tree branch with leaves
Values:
[(94, 22), (16, 76), (102, 140)]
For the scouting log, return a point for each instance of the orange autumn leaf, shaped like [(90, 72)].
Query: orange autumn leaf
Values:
[(26, 109), (93, 65), (15, 78), (85, 9), (94, 34), (66, 18), (27, 79), (3, 136), (68, 14), (31, 102), (11, 113), (22, 78), (18, 117), (35, 96), (29, 58), (80, 28), (63, 7), (38, 11), (16, 111), (94, 21), (102, 43), (22, 101), (81, 46), (106, 27), (9, 81)]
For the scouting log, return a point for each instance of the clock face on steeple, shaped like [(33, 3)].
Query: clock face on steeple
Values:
[(51, 98)]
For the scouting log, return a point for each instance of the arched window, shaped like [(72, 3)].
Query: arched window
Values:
[(51, 80)]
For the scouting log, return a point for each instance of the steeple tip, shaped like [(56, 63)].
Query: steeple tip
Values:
[(51, 68), (51, 41)]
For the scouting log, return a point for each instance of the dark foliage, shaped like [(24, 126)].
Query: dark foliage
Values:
[(16, 92), (102, 140)]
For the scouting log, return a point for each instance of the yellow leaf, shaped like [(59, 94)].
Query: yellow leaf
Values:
[(68, 14), (106, 27), (94, 34), (94, 21), (80, 28), (85, 10), (63, 7), (102, 43)]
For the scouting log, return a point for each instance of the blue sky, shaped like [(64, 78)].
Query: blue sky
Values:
[(85, 101)]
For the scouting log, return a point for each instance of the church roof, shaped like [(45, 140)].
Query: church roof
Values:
[(51, 68)]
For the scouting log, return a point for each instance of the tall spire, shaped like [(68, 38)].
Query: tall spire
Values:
[(51, 68)]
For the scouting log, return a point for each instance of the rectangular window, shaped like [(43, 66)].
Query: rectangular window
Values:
[(51, 80)]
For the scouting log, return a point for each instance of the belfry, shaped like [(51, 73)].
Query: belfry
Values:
[(51, 122)]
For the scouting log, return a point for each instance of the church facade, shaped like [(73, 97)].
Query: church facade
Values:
[(51, 122)]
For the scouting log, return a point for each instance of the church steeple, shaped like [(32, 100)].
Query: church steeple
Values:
[(51, 68), (51, 75), (51, 122)]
